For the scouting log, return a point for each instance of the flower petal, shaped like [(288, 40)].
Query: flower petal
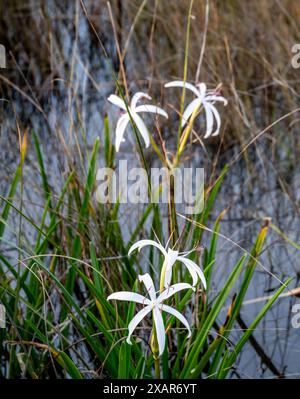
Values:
[(120, 129), (178, 315), (192, 266), (171, 257), (189, 110), (148, 282), (151, 108), (209, 120), (172, 290), (168, 277), (217, 117), (142, 243), (142, 128), (136, 320), (136, 97), (180, 83), (216, 98), (191, 270), (129, 296), (160, 329), (118, 101), (202, 89)]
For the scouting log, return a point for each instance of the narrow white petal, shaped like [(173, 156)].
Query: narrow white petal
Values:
[(160, 329), (202, 277), (148, 282), (168, 277), (172, 290), (142, 128), (129, 296), (180, 83), (171, 257), (120, 130), (137, 97), (143, 243), (189, 110), (179, 316), (136, 320), (216, 98), (202, 89), (193, 266), (217, 117), (151, 108), (191, 270), (209, 120), (116, 100)]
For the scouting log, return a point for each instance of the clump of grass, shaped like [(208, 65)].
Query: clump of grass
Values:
[(59, 322)]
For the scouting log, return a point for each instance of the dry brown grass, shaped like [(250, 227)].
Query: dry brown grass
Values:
[(248, 49)]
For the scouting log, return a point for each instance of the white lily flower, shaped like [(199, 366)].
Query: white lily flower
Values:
[(155, 305), (206, 98), (171, 257), (133, 111)]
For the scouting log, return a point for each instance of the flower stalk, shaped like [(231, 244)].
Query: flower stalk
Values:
[(163, 276), (186, 134), (155, 352)]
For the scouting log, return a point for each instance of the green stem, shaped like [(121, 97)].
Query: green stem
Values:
[(172, 218), (185, 136), (157, 368), (155, 352), (163, 276)]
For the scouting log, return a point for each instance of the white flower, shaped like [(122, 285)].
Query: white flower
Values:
[(155, 305), (206, 98), (134, 110), (170, 258)]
